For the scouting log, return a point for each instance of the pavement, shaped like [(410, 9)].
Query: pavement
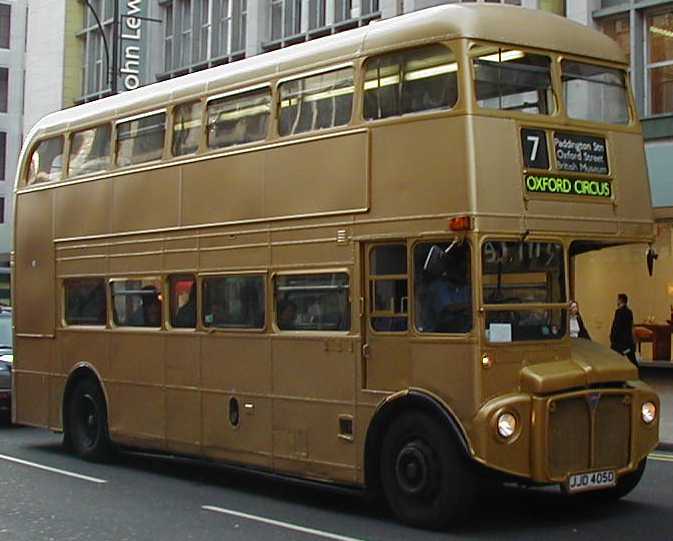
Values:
[(660, 377)]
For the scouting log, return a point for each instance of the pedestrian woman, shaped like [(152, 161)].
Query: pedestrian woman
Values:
[(577, 328)]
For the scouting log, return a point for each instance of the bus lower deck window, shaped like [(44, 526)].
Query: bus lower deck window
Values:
[(234, 302), (85, 302)]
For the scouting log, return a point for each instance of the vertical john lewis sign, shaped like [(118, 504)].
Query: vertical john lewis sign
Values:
[(132, 43)]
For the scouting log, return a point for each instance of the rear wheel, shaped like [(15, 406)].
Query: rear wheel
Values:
[(87, 428), (425, 479)]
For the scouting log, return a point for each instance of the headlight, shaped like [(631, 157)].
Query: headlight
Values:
[(648, 412), (506, 425)]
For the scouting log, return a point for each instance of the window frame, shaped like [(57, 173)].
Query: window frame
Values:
[(170, 124), (201, 279), (167, 137), (277, 99), (454, 46), (630, 106), (26, 173), (369, 309), (484, 308), (136, 328), (230, 93), (64, 304), (273, 301), (413, 316), (112, 155), (648, 65), (168, 285), (557, 105)]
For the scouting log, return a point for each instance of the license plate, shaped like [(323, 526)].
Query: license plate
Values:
[(580, 482)]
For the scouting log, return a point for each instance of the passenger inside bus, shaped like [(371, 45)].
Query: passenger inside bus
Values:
[(287, 315), (186, 314), (148, 314)]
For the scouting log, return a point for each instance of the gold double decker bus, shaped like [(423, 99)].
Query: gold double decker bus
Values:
[(347, 261)]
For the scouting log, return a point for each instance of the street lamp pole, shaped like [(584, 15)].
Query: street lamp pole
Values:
[(112, 69), (115, 46)]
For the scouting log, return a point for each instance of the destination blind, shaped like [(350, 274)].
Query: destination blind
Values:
[(568, 186)]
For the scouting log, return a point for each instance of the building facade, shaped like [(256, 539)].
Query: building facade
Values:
[(12, 46)]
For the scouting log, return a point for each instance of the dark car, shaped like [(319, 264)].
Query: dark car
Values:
[(6, 358)]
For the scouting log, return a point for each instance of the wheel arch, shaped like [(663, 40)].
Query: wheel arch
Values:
[(80, 371), (393, 406)]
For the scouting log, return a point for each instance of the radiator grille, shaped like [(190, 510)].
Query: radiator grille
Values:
[(588, 432)]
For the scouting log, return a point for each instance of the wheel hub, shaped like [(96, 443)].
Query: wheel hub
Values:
[(413, 468)]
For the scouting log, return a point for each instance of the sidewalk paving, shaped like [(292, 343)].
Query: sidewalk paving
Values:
[(661, 380)]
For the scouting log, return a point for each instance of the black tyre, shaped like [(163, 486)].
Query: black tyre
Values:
[(626, 483), (426, 480), (86, 430)]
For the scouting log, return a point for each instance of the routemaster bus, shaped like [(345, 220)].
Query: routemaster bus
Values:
[(346, 261)]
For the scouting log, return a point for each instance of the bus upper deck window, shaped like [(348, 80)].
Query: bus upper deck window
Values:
[(410, 81), (186, 128), (46, 162), (238, 119), (89, 151), (141, 140), (595, 93), (316, 102), (512, 80)]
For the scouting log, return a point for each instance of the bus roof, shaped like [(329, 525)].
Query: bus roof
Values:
[(499, 23)]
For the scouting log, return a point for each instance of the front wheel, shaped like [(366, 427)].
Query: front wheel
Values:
[(425, 479), (87, 428)]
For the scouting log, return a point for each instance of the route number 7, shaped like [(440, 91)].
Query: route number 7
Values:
[(535, 139)]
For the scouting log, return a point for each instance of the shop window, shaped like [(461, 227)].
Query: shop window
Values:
[(660, 62), (90, 151), (46, 162), (182, 288), (410, 81), (136, 302), (316, 102), (141, 140), (313, 302), (5, 25), (234, 302), (238, 119), (85, 302)]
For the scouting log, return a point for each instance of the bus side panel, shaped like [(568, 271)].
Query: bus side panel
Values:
[(32, 376), (136, 387), (272, 183), (34, 265), (146, 200), (419, 168), (34, 307), (89, 202), (236, 381), (314, 382)]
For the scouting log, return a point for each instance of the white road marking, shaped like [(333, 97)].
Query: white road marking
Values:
[(662, 457), (53, 470), (280, 524)]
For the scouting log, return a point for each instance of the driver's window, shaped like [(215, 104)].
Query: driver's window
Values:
[(389, 300), (442, 288)]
